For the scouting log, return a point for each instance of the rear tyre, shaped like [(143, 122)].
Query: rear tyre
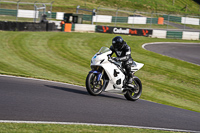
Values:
[(136, 93), (93, 86)]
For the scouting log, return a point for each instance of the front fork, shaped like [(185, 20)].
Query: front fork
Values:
[(99, 79)]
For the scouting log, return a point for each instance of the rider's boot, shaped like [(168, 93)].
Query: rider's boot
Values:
[(129, 83), (131, 86)]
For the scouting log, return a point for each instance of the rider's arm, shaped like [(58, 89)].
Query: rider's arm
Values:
[(111, 48), (124, 58)]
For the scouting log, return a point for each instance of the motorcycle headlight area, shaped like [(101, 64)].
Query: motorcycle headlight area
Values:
[(98, 59), (95, 61)]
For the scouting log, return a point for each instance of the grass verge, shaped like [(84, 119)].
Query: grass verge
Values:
[(167, 6), (56, 128)]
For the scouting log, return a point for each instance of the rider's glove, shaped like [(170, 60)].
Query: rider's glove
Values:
[(116, 59)]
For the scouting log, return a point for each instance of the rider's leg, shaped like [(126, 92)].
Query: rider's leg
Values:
[(130, 75)]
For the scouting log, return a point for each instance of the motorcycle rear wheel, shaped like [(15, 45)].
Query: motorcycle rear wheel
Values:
[(134, 95), (93, 86)]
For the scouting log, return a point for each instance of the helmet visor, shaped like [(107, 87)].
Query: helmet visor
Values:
[(117, 45)]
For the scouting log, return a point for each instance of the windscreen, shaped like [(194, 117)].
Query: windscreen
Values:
[(103, 50)]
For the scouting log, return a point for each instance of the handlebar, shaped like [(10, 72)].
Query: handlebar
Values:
[(111, 59)]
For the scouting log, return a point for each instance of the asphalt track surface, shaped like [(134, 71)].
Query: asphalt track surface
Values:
[(24, 99), (189, 52)]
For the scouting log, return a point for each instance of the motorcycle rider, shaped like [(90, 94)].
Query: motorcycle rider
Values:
[(123, 53)]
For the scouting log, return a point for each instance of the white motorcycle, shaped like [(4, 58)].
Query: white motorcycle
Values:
[(108, 75)]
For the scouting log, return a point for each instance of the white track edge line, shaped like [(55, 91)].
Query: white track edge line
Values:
[(93, 124), (185, 43), (43, 80)]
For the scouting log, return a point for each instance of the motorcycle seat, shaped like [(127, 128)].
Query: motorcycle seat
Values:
[(134, 64)]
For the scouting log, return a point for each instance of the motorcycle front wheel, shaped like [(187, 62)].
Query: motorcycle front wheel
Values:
[(93, 86), (134, 95)]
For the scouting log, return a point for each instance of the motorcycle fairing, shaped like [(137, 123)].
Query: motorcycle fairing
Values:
[(136, 66), (116, 77)]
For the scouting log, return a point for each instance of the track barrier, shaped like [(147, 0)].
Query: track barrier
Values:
[(68, 27), (30, 26), (26, 26), (160, 20)]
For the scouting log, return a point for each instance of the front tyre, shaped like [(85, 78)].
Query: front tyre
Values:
[(136, 93), (93, 86)]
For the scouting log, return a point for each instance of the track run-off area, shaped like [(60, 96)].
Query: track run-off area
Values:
[(40, 101)]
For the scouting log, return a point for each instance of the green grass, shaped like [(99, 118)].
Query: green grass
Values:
[(65, 57), (55, 128), (142, 5), (166, 6)]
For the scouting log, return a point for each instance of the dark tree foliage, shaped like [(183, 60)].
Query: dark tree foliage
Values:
[(197, 1)]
